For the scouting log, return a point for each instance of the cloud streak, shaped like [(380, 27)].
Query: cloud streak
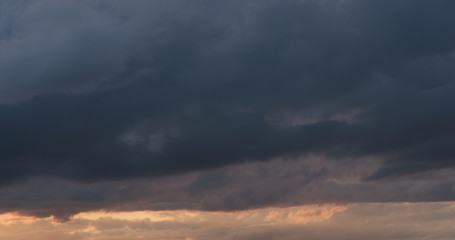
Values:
[(378, 221)]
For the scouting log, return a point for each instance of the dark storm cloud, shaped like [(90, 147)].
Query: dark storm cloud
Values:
[(105, 90), (277, 183)]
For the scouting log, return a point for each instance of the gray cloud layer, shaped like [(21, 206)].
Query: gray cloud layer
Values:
[(108, 90), (278, 183)]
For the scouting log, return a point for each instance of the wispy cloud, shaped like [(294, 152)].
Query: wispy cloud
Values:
[(359, 221)]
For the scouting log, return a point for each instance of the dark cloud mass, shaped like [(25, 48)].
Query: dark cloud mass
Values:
[(107, 90)]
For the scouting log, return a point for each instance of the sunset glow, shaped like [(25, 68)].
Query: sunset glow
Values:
[(315, 222), (227, 120)]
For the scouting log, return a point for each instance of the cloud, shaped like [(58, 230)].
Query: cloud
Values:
[(277, 183), (378, 221), (105, 91)]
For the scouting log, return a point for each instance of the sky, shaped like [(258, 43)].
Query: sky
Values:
[(240, 119)]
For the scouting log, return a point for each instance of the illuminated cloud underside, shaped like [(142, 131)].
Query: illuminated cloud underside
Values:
[(405, 221)]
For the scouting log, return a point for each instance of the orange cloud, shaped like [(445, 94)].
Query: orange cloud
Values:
[(315, 222)]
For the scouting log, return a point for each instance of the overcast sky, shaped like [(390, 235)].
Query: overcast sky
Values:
[(224, 105)]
